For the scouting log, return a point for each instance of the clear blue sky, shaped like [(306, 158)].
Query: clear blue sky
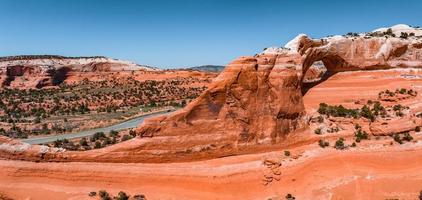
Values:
[(176, 33)]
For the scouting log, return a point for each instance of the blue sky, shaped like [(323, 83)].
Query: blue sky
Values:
[(176, 33)]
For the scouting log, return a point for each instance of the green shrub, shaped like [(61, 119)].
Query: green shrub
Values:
[(367, 113), (318, 131), (83, 142), (399, 114), (397, 107), (104, 195), (320, 119), (407, 137), (378, 109), (287, 153), (97, 144), (402, 91), (337, 111), (132, 133), (360, 135), (323, 143), (98, 135), (357, 126), (397, 138), (340, 144), (290, 197), (122, 196), (113, 133), (92, 194), (126, 137)]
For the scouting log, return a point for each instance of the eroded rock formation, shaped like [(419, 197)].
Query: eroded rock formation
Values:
[(49, 70), (256, 102)]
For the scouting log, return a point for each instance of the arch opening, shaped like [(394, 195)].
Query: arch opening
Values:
[(314, 75)]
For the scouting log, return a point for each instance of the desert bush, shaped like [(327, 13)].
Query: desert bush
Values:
[(360, 135), (320, 119), (97, 144), (317, 131), (404, 35), (92, 194), (139, 197), (287, 153), (113, 133), (397, 138), (340, 144), (126, 137), (290, 197), (104, 195), (97, 136), (367, 113), (407, 137), (122, 196), (83, 142), (132, 133), (323, 143), (357, 126), (337, 111)]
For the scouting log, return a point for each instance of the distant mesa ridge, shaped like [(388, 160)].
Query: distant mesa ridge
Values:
[(37, 71), (31, 57), (208, 68)]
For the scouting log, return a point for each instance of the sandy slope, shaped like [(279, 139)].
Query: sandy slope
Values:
[(390, 172)]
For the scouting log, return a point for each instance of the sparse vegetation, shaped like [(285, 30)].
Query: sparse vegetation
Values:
[(287, 153), (404, 35), (92, 194), (397, 138), (318, 131), (337, 111), (323, 143), (340, 144), (53, 106), (388, 95), (320, 119), (122, 196), (104, 195), (360, 134), (96, 141), (406, 137), (366, 111), (290, 197)]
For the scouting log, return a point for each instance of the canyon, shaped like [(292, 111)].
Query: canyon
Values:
[(331, 118)]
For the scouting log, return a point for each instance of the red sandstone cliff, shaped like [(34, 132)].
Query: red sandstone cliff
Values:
[(49, 70), (256, 102)]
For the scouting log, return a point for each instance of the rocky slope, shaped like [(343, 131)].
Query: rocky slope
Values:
[(256, 103), (37, 71)]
